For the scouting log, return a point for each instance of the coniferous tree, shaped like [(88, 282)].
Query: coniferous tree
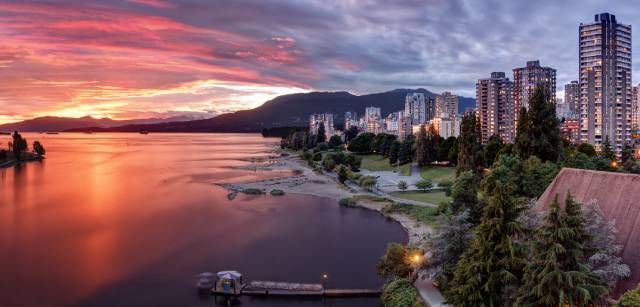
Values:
[(607, 151), (433, 143), (627, 153), (493, 260), (522, 144), (469, 147), (557, 274), (321, 137), (350, 134), (422, 156), (394, 150), (538, 130), (464, 194), (18, 145), (491, 149)]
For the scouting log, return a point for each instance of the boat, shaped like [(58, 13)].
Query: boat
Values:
[(51, 132), (5, 133), (205, 281), (144, 132)]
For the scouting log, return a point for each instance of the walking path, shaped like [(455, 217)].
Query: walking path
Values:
[(430, 294)]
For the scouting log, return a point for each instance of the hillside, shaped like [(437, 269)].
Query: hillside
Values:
[(289, 110), (53, 123)]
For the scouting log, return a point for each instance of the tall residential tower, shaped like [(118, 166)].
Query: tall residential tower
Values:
[(572, 96), (605, 82), (494, 107), (526, 79)]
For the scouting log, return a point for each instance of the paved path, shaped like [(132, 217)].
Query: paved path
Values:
[(430, 294)]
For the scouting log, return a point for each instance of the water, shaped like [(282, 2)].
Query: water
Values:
[(130, 220)]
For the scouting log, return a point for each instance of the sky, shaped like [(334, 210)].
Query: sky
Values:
[(128, 59)]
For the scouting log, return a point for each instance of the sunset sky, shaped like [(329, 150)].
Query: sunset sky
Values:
[(150, 58)]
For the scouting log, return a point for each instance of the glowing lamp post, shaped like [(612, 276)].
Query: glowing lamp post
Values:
[(415, 262)]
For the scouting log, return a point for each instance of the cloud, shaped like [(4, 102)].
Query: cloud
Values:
[(123, 58)]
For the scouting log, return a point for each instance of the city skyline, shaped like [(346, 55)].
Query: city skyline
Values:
[(145, 58)]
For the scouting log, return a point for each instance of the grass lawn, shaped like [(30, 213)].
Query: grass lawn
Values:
[(429, 197), (378, 163), (420, 213), (438, 173)]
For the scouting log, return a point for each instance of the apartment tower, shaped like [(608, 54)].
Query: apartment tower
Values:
[(447, 104), (605, 82), (572, 96), (495, 107)]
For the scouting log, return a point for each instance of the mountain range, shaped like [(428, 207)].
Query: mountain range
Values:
[(54, 123), (282, 111)]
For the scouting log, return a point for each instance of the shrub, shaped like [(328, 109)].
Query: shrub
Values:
[(317, 156), (343, 174), (446, 185), (347, 202), (424, 185), (401, 293), (402, 185), (367, 182), (252, 191), (396, 262), (307, 155), (276, 192), (329, 164), (630, 298)]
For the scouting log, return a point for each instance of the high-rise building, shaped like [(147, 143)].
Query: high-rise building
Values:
[(572, 96), (373, 120), (415, 108), (495, 107), (447, 103), (605, 82), (350, 119), (326, 119), (526, 79), (635, 109), (393, 121)]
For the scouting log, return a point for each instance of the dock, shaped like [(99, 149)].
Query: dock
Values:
[(230, 283), (271, 288)]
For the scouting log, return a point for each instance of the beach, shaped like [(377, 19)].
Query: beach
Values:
[(309, 182)]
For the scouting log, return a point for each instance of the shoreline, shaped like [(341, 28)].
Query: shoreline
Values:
[(305, 181), (14, 162)]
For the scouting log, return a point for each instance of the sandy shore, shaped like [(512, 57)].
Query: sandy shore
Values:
[(306, 181)]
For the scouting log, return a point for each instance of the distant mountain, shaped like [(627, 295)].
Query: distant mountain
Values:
[(52, 123), (290, 110)]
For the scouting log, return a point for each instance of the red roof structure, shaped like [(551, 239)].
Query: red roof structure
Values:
[(618, 196)]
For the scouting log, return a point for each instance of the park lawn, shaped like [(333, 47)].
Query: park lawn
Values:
[(438, 173), (435, 197), (378, 163), (422, 214)]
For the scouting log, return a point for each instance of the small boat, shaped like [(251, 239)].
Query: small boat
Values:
[(51, 132), (205, 281), (144, 132), (5, 133), (88, 132)]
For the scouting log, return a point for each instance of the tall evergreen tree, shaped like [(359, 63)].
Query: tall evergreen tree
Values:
[(491, 150), (464, 194), (469, 147), (522, 144), (433, 143), (493, 260), (557, 274), (422, 143), (538, 131), (321, 137), (607, 151), (394, 150)]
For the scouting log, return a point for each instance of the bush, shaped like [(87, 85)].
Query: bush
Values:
[(329, 164), (401, 293), (424, 185), (630, 298), (446, 185), (252, 191), (402, 185), (306, 155), (343, 173), (367, 182), (347, 202), (395, 263), (276, 192), (317, 156)]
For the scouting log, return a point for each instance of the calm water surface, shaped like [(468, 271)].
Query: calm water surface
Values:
[(130, 220)]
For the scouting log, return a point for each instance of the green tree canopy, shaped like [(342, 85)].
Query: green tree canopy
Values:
[(538, 129), (558, 274), (469, 147)]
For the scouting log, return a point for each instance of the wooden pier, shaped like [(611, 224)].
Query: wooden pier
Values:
[(270, 288), (229, 284)]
